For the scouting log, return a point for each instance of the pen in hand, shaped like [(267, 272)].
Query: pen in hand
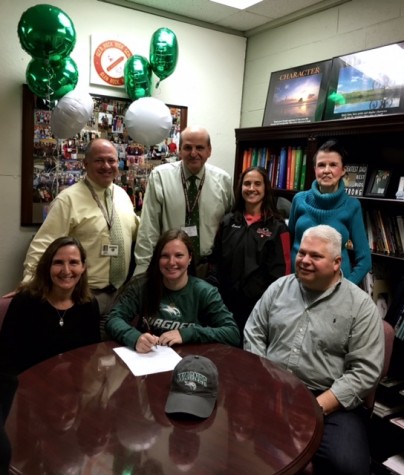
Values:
[(149, 330)]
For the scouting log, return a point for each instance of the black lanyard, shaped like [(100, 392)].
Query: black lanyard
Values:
[(184, 186)]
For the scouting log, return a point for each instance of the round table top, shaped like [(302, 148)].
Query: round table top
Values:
[(84, 412)]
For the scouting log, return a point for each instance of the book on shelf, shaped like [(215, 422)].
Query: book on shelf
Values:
[(398, 421), (246, 158), (397, 236), (400, 225), (355, 178), (290, 171), (383, 409), (283, 163), (391, 382), (384, 232), (265, 154), (395, 463), (255, 157), (298, 168), (303, 173), (369, 230), (373, 227), (379, 222), (273, 169)]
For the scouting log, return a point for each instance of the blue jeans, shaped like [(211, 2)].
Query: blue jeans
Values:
[(344, 448)]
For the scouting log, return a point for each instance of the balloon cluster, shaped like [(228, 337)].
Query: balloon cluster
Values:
[(48, 35), (148, 120), (163, 57)]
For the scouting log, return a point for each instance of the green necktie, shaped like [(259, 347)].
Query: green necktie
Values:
[(117, 263), (193, 216)]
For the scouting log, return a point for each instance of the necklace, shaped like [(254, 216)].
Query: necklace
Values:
[(61, 313), (61, 316)]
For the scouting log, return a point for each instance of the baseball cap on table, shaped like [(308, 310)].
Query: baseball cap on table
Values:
[(194, 387)]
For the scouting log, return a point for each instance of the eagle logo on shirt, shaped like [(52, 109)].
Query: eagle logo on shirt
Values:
[(171, 310)]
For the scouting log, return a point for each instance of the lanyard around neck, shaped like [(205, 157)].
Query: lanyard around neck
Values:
[(108, 215), (184, 187)]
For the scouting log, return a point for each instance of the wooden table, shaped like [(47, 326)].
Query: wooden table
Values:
[(83, 412)]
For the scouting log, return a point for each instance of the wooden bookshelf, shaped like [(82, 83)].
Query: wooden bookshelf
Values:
[(374, 141), (378, 143)]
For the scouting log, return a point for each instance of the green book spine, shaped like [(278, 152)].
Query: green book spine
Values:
[(298, 168), (255, 157), (303, 174)]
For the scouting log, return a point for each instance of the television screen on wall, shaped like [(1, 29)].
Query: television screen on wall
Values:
[(368, 83), (297, 95)]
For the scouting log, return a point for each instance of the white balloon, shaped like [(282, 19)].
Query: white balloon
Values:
[(71, 114), (148, 121)]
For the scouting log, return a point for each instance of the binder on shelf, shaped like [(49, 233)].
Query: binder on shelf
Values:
[(298, 168), (255, 157), (283, 163), (263, 159), (292, 169), (275, 170), (288, 168), (303, 173), (246, 158)]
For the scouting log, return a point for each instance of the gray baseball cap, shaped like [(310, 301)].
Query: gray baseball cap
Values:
[(194, 387)]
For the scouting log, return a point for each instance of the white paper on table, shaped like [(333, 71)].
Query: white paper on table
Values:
[(158, 360)]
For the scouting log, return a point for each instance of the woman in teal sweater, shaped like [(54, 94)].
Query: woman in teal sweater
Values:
[(167, 306), (327, 203)]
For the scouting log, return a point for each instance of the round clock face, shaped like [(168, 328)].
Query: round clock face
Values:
[(109, 61)]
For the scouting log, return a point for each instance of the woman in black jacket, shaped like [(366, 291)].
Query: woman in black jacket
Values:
[(252, 246)]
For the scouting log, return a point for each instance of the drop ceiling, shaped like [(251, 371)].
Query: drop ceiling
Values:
[(262, 16)]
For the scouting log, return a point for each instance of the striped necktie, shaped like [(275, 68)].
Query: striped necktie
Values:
[(117, 263), (193, 216)]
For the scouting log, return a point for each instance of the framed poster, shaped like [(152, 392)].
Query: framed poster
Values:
[(368, 83), (379, 183), (297, 95), (49, 164)]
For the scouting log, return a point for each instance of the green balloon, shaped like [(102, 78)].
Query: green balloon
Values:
[(137, 77), (163, 52), (52, 79), (46, 32)]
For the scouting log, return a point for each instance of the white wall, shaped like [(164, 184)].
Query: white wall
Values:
[(354, 26), (208, 80)]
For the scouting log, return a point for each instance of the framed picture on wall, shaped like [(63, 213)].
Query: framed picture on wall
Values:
[(50, 164), (297, 95), (367, 83)]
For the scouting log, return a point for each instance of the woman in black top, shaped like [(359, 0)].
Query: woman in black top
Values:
[(53, 313), (252, 246)]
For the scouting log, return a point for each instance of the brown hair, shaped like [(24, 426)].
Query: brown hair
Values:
[(41, 284), (268, 206), (153, 291)]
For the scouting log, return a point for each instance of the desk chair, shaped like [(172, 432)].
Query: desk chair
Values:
[(370, 398), (4, 303), (388, 350)]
